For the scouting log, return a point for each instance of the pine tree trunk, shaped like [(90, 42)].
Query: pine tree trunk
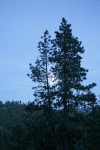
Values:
[(48, 92)]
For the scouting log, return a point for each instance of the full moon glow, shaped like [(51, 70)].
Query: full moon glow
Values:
[(53, 78)]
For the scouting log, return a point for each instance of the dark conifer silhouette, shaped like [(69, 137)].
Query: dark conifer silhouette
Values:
[(40, 72), (66, 59)]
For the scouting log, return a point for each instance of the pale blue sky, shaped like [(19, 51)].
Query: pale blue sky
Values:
[(22, 22)]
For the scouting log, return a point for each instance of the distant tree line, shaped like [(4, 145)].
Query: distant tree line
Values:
[(27, 127), (65, 114)]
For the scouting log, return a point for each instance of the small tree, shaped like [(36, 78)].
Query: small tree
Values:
[(66, 59), (40, 72)]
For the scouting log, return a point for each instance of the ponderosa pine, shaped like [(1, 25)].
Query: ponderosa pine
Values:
[(66, 56)]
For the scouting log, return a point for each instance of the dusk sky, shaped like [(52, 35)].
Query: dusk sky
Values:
[(23, 22)]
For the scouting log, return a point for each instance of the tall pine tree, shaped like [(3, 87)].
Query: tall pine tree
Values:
[(66, 59)]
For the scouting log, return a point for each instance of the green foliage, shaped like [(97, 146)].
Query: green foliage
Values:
[(66, 55), (32, 128)]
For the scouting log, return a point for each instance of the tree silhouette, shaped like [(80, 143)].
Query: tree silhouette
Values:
[(41, 71), (65, 56)]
